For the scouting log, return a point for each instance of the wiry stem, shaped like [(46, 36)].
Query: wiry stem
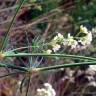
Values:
[(21, 85), (6, 35), (50, 55), (65, 65), (21, 48), (13, 67)]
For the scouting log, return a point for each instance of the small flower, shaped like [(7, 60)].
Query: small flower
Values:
[(69, 35), (71, 42), (83, 29), (47, 85), (49, 51), (74, 44), (55, 38), (41, 92), (89, 37), (86, 40), (46, 91), (92, 67), (56, 47), (65, 42), (58, 38)]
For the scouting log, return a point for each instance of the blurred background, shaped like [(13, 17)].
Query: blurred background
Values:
[(36, 23)]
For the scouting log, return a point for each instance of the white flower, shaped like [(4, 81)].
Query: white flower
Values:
[(74, 44), (82, 41), (46, 91), (55, 38), (71, 42), (65, 42), (92, 67), (56, 47), (49, 51), (83, 29), (41, 92), (69, 39), (59, 37), (69, 35), (86, 40), (47, 85), (89, 37)]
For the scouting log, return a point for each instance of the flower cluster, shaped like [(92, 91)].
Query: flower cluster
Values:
[(46, 91), (56, 43), (87, 39), (70, 41)]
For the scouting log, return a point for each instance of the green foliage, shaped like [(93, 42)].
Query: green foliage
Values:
[(84, 12)]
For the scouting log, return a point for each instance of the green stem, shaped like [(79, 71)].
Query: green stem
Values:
[(13, 67), (6, 35), (49, 55), (26, 47), (66, 65)]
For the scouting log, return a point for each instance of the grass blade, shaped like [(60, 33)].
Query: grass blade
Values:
[(66, 65), (6, 35), (49, 55), (22, 69)]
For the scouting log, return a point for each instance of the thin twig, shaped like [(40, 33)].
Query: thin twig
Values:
[(28, 85), (22, 82), (22, 69), (10, 74)]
